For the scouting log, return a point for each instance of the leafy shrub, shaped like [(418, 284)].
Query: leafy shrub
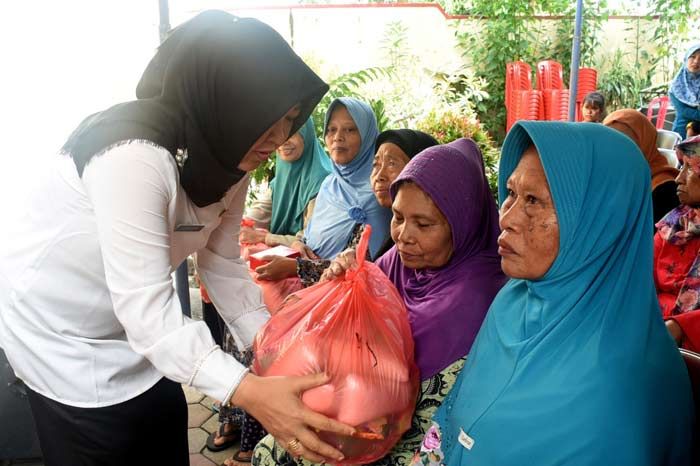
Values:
[(447, 125)]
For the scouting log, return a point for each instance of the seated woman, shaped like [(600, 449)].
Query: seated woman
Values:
[(593, 108), (394, 148), (685, 91), (676, 253), (446, 268), (572, 364), (301, 166), (637, 127)]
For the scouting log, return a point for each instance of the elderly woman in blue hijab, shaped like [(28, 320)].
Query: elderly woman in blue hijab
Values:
[(685, 91), (345, 200), (573, 364)]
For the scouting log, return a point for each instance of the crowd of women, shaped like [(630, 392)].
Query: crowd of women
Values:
[(546, 324)]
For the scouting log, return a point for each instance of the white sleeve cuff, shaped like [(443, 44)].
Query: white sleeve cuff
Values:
[(244, 327), (218, 375)]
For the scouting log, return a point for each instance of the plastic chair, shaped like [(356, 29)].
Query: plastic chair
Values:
[(662, 103), (550, 75), (670, 156), (666, 139), (518, 78), (692, 363)]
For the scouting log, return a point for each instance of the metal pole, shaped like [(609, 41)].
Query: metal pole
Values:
[(575, 59), (164, 27)]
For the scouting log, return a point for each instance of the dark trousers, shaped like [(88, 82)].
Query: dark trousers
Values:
[(214, 321), (149, 429)]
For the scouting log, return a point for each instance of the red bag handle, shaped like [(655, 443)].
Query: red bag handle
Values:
[(361, 251)]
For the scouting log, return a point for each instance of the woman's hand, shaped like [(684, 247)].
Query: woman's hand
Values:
[(342, 263), (251, 236), (276, 403), (675, 330), (304, 250), (277, 268)]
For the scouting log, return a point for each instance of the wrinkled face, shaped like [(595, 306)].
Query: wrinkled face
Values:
[(292, 149), (388, 163), (269, 141), (688, 181), (590, 113), (529, 240), (343, 139), (693, 63), (421, 232)]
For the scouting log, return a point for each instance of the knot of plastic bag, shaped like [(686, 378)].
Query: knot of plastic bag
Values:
[(360, 252)]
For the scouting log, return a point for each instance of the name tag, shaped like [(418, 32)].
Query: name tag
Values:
[(466, 441), (189, 227)]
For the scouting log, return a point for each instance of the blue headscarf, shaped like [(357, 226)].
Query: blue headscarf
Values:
[(686, 85), (296, 183), (576, 367), (346, 197)]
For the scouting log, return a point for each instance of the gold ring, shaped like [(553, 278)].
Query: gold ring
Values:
[(294, 445)]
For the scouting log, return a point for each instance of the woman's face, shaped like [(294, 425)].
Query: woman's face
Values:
[(421, 232), (269, 141), (590, 113), (688, 181), (529, 240), (693, 63), (343, 139), (388, 163), (292, 148)]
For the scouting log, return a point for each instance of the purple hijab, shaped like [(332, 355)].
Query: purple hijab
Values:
[(447, 305)]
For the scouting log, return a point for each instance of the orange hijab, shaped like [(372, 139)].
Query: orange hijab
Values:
[(643, 133)]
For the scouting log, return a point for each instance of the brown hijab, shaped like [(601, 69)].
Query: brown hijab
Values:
[(643, 133)]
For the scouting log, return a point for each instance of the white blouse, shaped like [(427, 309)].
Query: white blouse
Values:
[(88, 312)]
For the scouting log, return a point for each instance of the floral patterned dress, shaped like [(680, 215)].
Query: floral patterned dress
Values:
[(432, 392)]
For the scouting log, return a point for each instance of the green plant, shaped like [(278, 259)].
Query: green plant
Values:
[(620, 81), (449, 124), (670, 31)]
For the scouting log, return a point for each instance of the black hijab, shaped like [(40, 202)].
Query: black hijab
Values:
[(213, 88), (410, 141)]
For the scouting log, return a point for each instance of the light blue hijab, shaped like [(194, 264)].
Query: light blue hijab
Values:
[(686, 85), (346, 197), (577, 367)]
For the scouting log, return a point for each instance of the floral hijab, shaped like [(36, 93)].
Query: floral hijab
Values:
[(681, 225)]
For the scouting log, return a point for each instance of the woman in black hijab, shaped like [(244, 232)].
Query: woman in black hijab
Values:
[(90, 319)]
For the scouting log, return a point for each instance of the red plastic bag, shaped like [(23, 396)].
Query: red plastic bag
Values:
[(356, 330), (274, 293), (247, 248)]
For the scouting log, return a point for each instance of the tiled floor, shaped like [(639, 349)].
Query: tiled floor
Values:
[(201, 422)]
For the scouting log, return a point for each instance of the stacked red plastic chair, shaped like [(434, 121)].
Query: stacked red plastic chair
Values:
[(587, 83), (518, 79), (550, 75), (556, 104)]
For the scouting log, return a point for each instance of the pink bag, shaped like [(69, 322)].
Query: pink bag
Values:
[(356, 330)]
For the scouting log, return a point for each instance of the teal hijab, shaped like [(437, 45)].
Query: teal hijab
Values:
[(296, 183), (576, 367)]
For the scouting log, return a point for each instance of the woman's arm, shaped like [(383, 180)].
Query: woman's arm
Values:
[(131, 189), (685, 111)]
